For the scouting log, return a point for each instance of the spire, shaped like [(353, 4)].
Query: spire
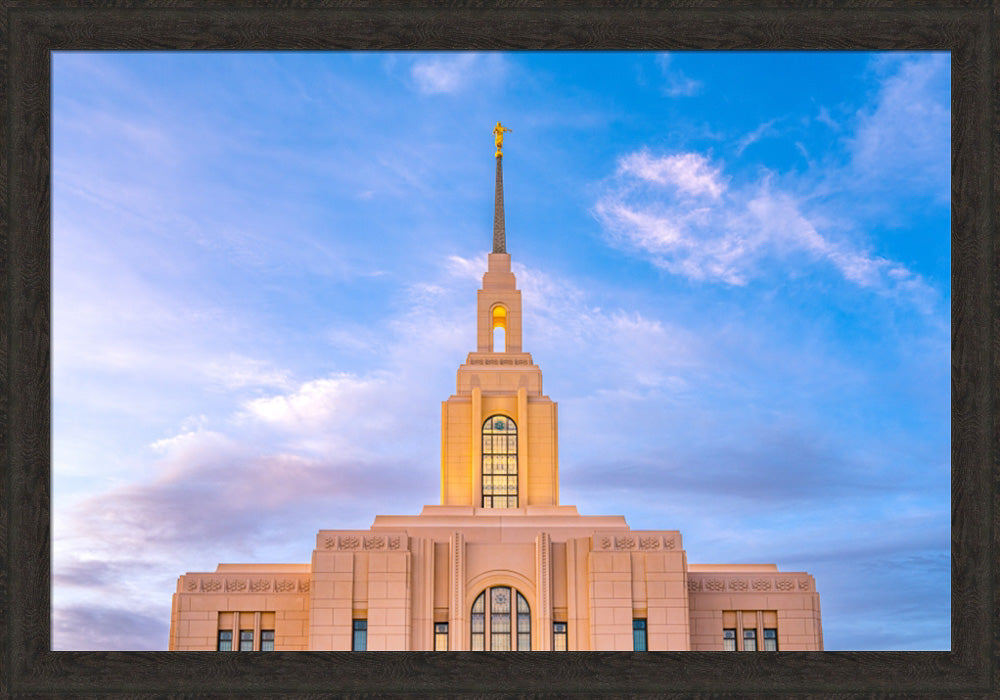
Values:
[(499, 234)]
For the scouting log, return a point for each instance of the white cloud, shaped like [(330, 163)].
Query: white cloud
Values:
[(676, 83), (765, 129), (690, 173), (679, 211), (902, 135), (447, 74)]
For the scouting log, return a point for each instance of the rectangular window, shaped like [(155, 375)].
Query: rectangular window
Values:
[(729, 640), (440, 636), (749, 640), (267, 640), (359, 641), (225, 640), (639, 635), (246, 640), (559, 637), (770, 639)]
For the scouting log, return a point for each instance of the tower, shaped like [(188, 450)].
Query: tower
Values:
[(499, 431)]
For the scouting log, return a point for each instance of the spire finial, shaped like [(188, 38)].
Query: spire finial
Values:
[(499, 234), (498, 137)]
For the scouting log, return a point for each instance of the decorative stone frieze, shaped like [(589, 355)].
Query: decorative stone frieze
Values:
[(698, 582), (363, 541), (234, 584), (498, 361), (649, 543), (624, 543)]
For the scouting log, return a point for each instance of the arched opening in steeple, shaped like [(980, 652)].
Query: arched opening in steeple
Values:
[(499, 326)]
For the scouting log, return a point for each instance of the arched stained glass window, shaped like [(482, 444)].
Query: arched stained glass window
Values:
[(499, 462), (509, 621)]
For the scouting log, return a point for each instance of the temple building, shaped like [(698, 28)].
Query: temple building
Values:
[(499, 564)]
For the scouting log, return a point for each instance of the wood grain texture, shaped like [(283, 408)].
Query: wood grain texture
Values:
[(31, 29)]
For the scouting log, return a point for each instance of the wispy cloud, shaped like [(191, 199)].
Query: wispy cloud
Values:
[(680, 211), (765, 129), (449, 74), (676, 83), (901, 134)]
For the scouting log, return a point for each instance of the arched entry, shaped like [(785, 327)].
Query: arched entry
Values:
[(505, 613)]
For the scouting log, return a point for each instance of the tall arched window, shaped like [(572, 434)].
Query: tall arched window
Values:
[(509, 622), (499, 462)]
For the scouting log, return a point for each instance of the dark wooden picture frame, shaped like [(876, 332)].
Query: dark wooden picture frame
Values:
[(32, 29)]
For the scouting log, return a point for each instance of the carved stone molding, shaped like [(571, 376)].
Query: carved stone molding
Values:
[(497, 361), (246, 586), (366, 542), (698, 582), (625, 542), (633, 541)]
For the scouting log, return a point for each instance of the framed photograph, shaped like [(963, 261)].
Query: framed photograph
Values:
[(723, 237)]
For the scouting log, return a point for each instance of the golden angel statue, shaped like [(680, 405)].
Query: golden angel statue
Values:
[(498, 136)]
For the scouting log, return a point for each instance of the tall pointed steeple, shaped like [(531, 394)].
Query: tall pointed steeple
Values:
[(499, 234)]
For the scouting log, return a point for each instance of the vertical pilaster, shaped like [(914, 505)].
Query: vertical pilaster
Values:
[(236, 632), (522, 448), (477, 447), (543, 578), (427, 561), (457, 614)]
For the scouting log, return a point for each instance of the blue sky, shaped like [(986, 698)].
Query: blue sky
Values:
[(736, 280)]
